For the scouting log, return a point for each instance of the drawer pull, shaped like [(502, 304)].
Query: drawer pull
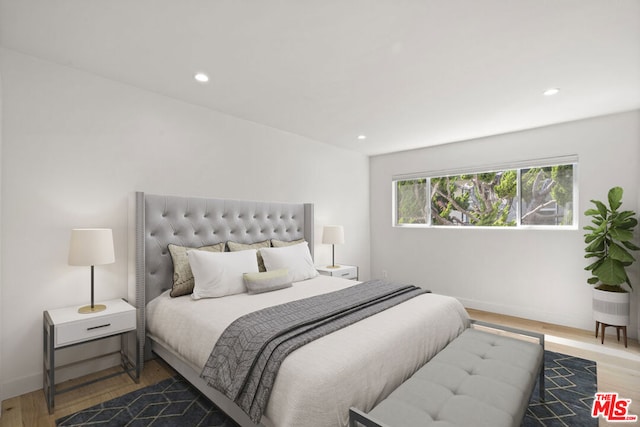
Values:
[(345, 274), (98, 327)]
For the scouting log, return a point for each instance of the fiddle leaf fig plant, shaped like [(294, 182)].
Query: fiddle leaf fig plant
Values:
[(609, 242)]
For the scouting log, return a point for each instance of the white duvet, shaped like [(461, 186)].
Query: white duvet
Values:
[(355, 366)]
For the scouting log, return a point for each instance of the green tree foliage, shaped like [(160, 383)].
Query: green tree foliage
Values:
[(545, 192), (412, 201), (563, 192), (489, 198), (483, 199)]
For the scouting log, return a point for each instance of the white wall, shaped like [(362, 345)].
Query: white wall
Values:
[(527, 273), (637, 265), (1, 133), (75, 145)]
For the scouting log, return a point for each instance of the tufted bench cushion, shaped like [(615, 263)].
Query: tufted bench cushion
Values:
[(479, 379)]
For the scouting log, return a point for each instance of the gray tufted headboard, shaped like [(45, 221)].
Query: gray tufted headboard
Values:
[(190, 221)]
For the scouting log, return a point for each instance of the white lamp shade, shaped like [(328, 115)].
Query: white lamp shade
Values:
[(333, 234), (91, 246)]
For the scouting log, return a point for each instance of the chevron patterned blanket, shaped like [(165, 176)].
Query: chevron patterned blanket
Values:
[(245, 360)]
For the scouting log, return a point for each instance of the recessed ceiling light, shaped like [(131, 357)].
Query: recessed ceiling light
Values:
[(551, 91), (362, 137), (201, 77)]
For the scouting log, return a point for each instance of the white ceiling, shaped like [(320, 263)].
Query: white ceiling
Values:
[(405, 73)]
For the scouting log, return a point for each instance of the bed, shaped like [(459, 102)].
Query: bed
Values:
[(356, 366)]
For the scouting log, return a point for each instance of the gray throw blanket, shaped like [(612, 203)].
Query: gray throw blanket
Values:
[(245, 360)]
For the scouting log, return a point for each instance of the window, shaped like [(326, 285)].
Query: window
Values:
[(480, 199), (526, 196), (547, 195), (411, 201)]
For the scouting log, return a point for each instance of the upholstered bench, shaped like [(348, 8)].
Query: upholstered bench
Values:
[(480, 379)]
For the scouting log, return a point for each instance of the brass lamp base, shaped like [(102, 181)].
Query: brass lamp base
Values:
[(333, 266), (87, 309)]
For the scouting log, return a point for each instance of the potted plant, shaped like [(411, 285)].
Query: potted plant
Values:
[(608, 246)]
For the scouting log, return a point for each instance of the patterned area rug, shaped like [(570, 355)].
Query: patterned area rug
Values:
[(172, 402), (570, 383)]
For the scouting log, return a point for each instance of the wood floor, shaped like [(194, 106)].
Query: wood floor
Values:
[(30, 410), (618, 370)]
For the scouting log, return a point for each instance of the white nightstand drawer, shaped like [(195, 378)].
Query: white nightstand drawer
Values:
[(91, 328), (349, 273), (344, 272)]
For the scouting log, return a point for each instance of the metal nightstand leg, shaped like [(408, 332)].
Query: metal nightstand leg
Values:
[(132, 369), (48, 359)]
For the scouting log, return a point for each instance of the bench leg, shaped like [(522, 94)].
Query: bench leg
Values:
[(541, 390), (358, 418), (597, 326)]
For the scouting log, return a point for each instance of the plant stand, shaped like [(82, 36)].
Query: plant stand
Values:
[(602, 326), (611, 309)]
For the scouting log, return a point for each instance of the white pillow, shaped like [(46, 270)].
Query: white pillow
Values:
[(296, 258), (218, 274)]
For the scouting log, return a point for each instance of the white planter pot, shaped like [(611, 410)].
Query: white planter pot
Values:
[(611, 308)]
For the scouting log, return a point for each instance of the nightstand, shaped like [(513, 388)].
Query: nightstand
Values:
[(344, 271), (65, 327)]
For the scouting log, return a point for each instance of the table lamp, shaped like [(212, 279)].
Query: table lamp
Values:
[(90, 247), (333, 235)]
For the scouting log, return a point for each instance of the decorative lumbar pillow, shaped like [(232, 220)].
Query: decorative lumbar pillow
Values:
[(296, 258), (220, 274), (234, 247), (182, 275), (267, 281), (282, 243)]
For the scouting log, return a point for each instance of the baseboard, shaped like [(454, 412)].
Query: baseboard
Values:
[(561, 319), (29, 383), (22, 385)]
